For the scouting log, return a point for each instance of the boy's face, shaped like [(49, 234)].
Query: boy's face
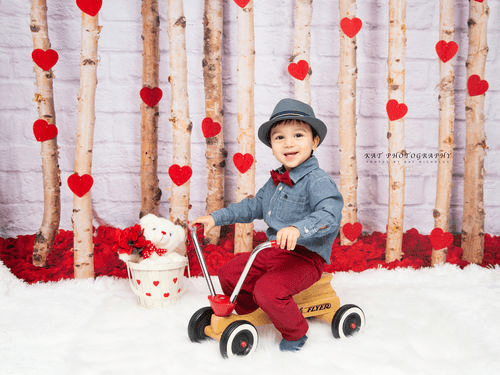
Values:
[(292, 142)]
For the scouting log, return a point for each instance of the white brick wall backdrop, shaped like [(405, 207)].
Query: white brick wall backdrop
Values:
[(116, 190)]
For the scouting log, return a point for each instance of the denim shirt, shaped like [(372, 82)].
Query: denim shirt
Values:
[(313, 205)]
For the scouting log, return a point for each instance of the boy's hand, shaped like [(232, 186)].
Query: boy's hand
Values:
[(207, 221), (287, 237)]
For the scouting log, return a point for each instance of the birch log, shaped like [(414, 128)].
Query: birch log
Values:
[(446, 143), (212, 77), (150, 191), (82, 206), (246, 138), (51, 173), (302, 47), (181, 124), (347, 121), (475, 143), (395, 134)]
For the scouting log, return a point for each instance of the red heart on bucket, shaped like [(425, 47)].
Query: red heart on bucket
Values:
[(90, 7), (350, 27), (299, 70), (45, 59), (352, 230), (476, 86), (396, 110), (210, 128), (80, 185), (151, 97), (242, 162), (180, 175), (44, 131), (446, 50), (440, 239)]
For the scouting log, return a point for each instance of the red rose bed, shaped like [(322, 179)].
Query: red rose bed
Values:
[(366, 253)]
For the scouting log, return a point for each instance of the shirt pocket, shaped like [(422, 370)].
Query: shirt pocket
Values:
[(291, 209)]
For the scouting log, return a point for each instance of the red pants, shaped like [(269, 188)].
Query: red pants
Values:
[(275, 276)]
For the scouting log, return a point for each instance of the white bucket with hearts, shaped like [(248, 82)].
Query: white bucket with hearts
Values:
[(157, 284)]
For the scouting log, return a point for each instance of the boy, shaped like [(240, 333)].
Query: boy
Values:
[(302, 207)]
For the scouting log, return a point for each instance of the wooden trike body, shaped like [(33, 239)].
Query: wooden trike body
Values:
[(237, 334)]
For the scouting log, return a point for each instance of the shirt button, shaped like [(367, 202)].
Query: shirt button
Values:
[(269, 213), (280, 188)]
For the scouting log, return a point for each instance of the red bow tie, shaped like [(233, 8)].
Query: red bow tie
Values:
[(278, 177)]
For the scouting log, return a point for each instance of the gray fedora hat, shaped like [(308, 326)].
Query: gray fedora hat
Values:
[(291, 109)]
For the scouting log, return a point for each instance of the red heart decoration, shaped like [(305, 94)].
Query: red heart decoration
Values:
[(175, 280), (440, 239), (479, 1), (138, 282), (156, 283), (166, 295), (242, 162), (242, 3), (80, 185), (350, 27), (91, 7), (395, 110), (44, 131), (151, 97), (299, 70), (476, 86), (178, 290), (210, 128), (148, 294), (45, 59), (446, 50), (180, 175), (352, 231)]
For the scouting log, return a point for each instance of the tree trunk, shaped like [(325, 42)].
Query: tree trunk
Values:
[(302, 47), (82, 206), (475, 143), (181, 124), (446, 124), (44, 98), (395, 135), (246, 138), (212, 77), (150, 191), (347, 121)]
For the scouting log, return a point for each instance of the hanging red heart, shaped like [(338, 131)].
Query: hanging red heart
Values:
[(299, 70), (156, 283), (440, 239), (352, 230), (476, 86), (210, 128), (138, 282), (166, 295), (80, 185), (479, 1), (180, 175), (45, 59), (446, 50), (242, 162), (151, 97), (175, 280), (44, 131), (90, 7), (242, 3), (350, 27), (396, 110)]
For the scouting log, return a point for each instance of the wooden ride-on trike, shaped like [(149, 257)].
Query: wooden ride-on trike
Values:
[(237, 334)]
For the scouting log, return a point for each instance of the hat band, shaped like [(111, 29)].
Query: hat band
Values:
[(289, 113)]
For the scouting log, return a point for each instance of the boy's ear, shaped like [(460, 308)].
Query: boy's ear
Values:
[(316, 142)]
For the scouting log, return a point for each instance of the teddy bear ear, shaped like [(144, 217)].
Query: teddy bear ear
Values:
[(147, 220)]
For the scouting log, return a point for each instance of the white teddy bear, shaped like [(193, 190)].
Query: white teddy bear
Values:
[(165, 235)]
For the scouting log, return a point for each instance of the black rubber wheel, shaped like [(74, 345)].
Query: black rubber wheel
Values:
[(197, 324), (348, 320), (238, 339)]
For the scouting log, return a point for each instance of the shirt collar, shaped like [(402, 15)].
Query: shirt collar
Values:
[(301, 170)]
